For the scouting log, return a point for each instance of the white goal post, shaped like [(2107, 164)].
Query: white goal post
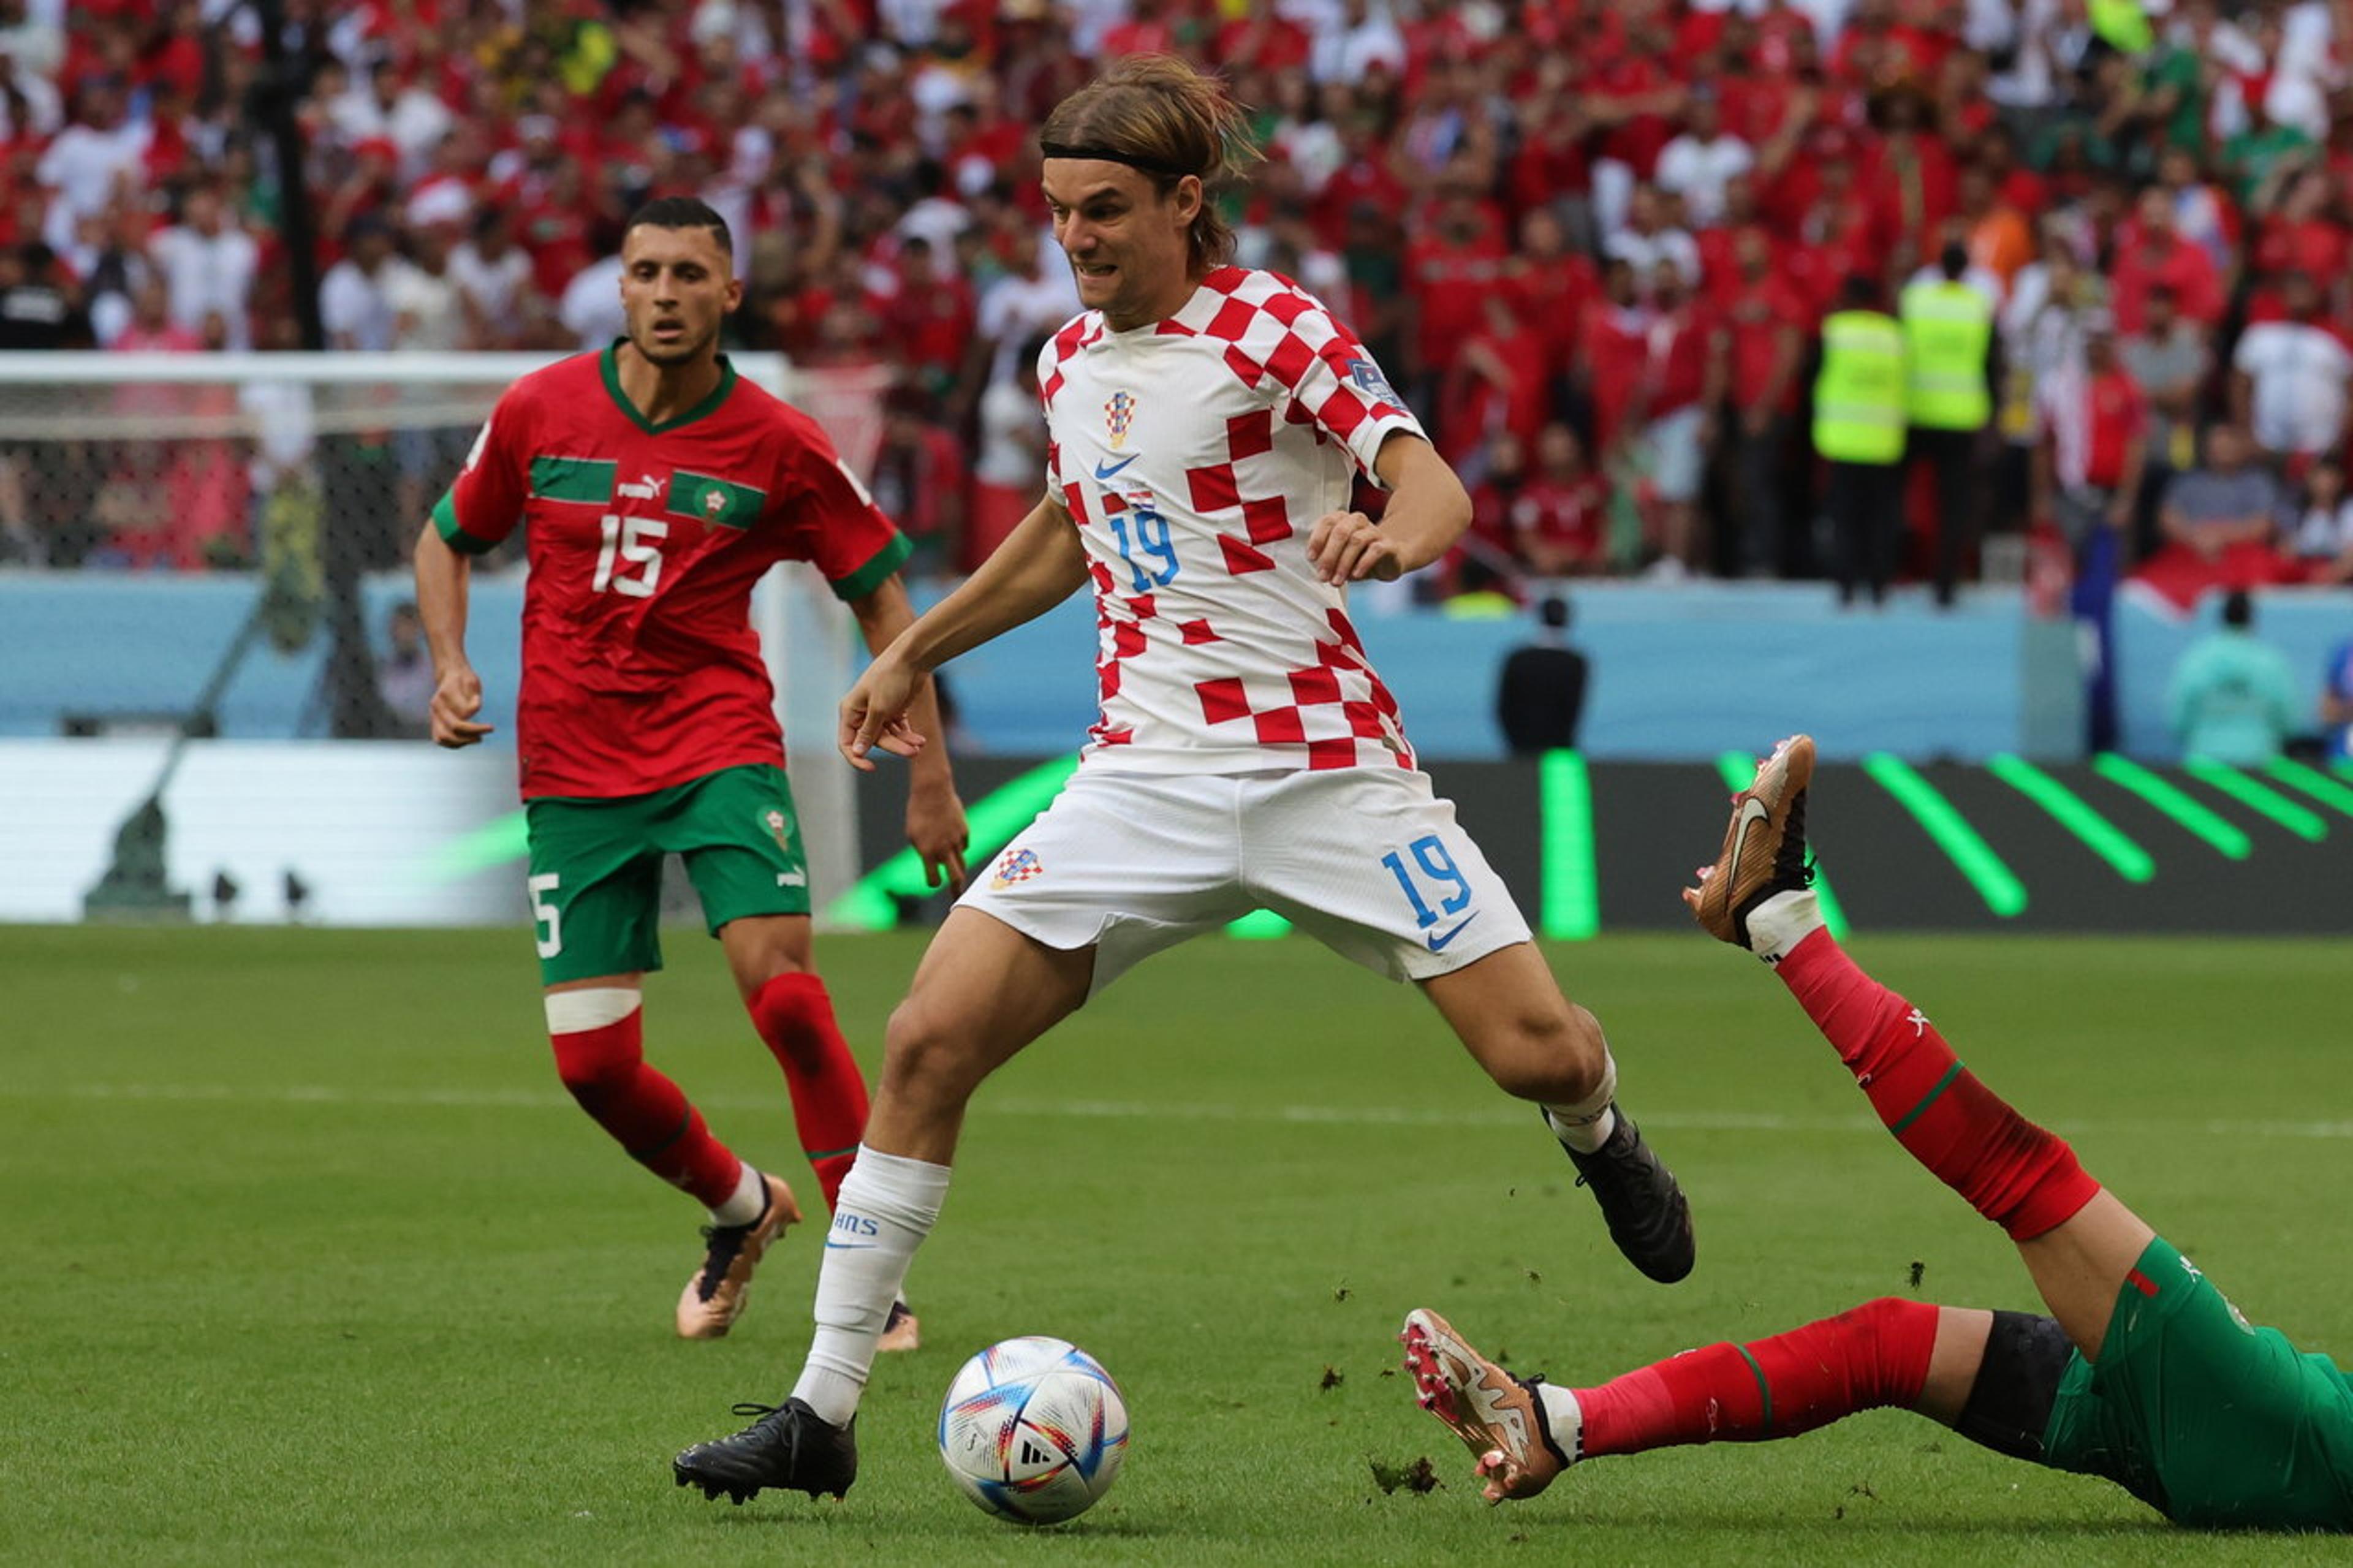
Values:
[(198, 461)]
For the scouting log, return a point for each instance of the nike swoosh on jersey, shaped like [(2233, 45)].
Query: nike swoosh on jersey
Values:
[(1438, 940), (1107, 470)]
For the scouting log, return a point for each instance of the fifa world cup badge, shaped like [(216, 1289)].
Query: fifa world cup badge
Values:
[(1118, 414)]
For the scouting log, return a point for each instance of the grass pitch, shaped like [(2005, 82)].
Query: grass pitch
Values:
[(307, 1256)]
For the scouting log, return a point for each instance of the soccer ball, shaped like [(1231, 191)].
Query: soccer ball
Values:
[(1033, 1430)]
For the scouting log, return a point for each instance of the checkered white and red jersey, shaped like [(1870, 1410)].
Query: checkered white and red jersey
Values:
[(1195, 456)]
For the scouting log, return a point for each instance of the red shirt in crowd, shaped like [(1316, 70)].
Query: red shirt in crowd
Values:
[(1612, 347), (1448, 279), (1547, 295), (1758, 320), (2314, 246), (2140, 265), (1558, 516), (2114, 412), (1677, 348)]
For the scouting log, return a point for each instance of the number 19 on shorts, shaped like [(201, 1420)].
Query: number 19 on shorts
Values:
[(1431, 871)]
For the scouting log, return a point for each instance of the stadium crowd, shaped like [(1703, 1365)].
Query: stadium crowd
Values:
[(1596, 240)]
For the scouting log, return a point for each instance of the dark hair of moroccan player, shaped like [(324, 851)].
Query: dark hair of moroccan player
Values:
[(683, 211), (1159, 115)]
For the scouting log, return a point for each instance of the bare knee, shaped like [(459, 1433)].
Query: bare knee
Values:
[(1549, 1053), (927, 1060)]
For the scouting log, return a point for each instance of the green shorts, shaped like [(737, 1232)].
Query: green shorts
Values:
[(2208, 1420), (595, 865)]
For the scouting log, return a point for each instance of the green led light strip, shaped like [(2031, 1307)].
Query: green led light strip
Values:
[(1949, 831), (2071, 812), (499, 842), (2312, 781), (1572, 900), (2191, 814), (1739, 770), (1258, 925), (871, 903), (2306, 825)]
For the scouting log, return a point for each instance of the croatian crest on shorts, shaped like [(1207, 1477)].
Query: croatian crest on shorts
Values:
[(1118, 414), (1015, 865)]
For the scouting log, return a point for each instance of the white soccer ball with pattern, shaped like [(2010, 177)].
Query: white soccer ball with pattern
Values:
[(1033, 1430)]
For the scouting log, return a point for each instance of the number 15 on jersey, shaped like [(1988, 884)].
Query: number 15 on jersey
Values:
[(630, 541)]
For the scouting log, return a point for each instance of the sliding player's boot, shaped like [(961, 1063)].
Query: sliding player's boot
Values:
[(1764, 848), (1500, 1418)]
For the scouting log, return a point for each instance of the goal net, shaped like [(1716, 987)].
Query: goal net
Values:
[(214, 546)]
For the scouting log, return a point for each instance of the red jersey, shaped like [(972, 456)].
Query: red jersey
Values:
[(641, 668)]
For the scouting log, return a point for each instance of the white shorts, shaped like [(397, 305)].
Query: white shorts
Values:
[(1370, 862), (1678, 464)]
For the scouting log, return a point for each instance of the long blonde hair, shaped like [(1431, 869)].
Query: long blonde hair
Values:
[(1159, 115)]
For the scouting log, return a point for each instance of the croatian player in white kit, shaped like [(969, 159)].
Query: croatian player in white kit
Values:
[(1206, 424)]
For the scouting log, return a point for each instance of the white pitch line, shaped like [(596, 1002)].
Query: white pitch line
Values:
[(1109, 1110)]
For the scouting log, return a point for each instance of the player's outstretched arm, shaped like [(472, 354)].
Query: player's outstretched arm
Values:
[(1428, 510), (1041, 563), (935, 820), (442, 578)]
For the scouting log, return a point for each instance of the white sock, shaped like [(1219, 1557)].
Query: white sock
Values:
[(746, 1203), (1563, 1419), (1782, 922), (1587, 1125), (887, 1205)]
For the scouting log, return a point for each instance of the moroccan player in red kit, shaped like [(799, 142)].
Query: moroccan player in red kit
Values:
[(2143, 1373), (655, 488)]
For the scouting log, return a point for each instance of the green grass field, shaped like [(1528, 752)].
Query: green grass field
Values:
[(307, 1256)]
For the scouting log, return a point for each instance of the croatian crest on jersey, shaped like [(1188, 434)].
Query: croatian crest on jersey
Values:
[(1015, 865), (1118, 414)]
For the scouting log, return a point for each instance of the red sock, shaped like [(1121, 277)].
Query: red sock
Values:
[(1873, 1355), (646, 1114), (2018, 1175), (795, 1017)]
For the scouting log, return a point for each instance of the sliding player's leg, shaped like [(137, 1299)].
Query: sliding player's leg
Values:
[(596, 893), (983, 991), (2169, 1392), (1993, 1376), (2078, 1243), (1374, 865)]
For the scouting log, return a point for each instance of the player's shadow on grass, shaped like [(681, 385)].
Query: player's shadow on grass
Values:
[(982, 1526), (1855, 1522)]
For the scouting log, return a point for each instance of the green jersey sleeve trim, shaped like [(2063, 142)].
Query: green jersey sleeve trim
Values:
[(453, 534), (876, 571)]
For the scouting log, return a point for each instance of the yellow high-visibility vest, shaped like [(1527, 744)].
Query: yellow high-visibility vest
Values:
[(1859, 394), (2122, 24), (1948, 330)]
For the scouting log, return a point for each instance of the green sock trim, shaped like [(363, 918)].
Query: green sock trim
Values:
[(1927, 1099), (1764, 1389), (814, 1155)]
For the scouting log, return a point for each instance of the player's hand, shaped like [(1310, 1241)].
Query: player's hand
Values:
[(936, 831), (457, 697), (874, 714), (1348, 547)]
